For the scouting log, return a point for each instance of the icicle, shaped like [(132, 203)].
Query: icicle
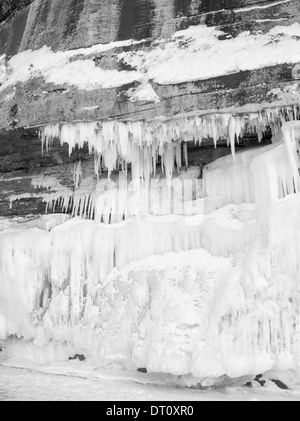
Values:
[(77, 174), (186, 154)]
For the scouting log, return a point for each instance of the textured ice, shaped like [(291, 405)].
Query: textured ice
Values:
[(209, 295), (141, 145)]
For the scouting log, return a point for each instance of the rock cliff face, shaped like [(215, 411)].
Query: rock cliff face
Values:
[(40, 98)]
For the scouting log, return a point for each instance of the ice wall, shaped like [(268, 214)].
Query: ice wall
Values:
[(141, 145), (139, 142), (207, 294)]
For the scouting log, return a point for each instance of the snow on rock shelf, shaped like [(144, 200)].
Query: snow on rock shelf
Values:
[(3, 69), (200, 46), (211, 295)]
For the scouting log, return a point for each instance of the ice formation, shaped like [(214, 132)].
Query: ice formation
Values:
[(3, 69), (140, 143), (113, 199), (72, 67), (209, 294), (207, 297)]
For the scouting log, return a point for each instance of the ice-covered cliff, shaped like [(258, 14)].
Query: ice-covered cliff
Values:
[(212, 294), (149, 186)]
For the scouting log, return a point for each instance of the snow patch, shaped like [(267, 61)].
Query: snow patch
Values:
[(197, 54), (143, 93)]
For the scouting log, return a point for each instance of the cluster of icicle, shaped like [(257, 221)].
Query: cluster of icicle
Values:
[(110, 200), (141, 143), (260, 176), (115, 144), (175, 295)]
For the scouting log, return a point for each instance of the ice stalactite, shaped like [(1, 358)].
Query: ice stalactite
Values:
[(77, 174), (141, 144)]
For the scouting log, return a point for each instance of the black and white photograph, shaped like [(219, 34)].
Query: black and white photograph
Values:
[(150, 203)]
